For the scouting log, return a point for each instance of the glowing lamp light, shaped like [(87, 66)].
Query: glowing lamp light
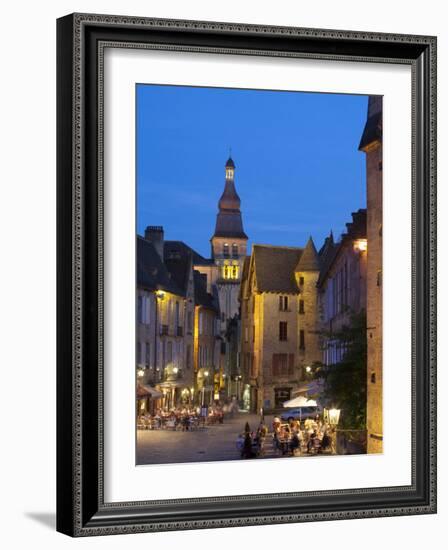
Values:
[(175, 370), (308, 368), (360, 245), (160, 294), (333, 416), (206, 373), (140, 373)]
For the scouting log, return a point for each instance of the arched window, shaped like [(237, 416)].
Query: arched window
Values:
[(225, 250), (234, 250), (230, 271)]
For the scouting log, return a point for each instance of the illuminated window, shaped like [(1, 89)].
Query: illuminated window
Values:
[(230, 271), (360, 245)]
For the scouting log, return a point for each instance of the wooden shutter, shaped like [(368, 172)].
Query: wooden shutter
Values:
[(291, 364)]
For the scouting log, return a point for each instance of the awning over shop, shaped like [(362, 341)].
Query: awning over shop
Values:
[(142, 392), (300, 401), (155, 394)]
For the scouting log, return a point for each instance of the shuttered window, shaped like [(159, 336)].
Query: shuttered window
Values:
[(283, 330), (282, 364)]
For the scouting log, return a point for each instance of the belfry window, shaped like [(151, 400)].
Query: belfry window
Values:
[(230, 271), (225, 250), (234, 250)]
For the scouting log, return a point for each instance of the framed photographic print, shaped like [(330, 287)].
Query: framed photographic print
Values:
[(246, 274)]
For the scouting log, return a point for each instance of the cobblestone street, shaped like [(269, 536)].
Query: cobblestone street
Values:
[(212, 443), (216, 442)]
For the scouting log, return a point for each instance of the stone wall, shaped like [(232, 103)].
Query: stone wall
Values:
[(374, 299)]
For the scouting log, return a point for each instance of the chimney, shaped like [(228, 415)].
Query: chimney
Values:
[(154, 234)]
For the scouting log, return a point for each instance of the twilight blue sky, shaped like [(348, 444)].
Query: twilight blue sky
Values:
[(298, 168)]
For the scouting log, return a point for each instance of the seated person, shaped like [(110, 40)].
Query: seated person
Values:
[(294, 443), (311, 440), (326, 441)]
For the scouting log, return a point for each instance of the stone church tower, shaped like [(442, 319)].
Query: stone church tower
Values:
[(229, 247)]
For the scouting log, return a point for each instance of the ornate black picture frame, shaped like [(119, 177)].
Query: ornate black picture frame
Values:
[(81, 509)]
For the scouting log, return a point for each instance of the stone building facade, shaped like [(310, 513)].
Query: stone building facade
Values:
[(166, 320), (208, 377), (185, 305), (278, 322), (372, 145), (342, 283)]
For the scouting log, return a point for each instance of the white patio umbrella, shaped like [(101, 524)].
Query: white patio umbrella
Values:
[(300, 401)]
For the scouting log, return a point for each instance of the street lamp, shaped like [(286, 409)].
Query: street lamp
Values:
[(332, 417), (160, 294), (140, 373)]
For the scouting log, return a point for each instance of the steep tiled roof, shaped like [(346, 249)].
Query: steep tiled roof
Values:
[(327, 261), (274, 268), (229, 224), (309, 260), (174, 249), (152, 273), (201, 296), (356, 229)]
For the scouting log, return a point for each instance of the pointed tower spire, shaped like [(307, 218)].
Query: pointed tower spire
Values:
[(309, 260), (229, 222)]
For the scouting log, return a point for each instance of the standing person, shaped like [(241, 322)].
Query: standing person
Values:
[(247, 446), (293, 425), (276, 424), (262, 429)]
